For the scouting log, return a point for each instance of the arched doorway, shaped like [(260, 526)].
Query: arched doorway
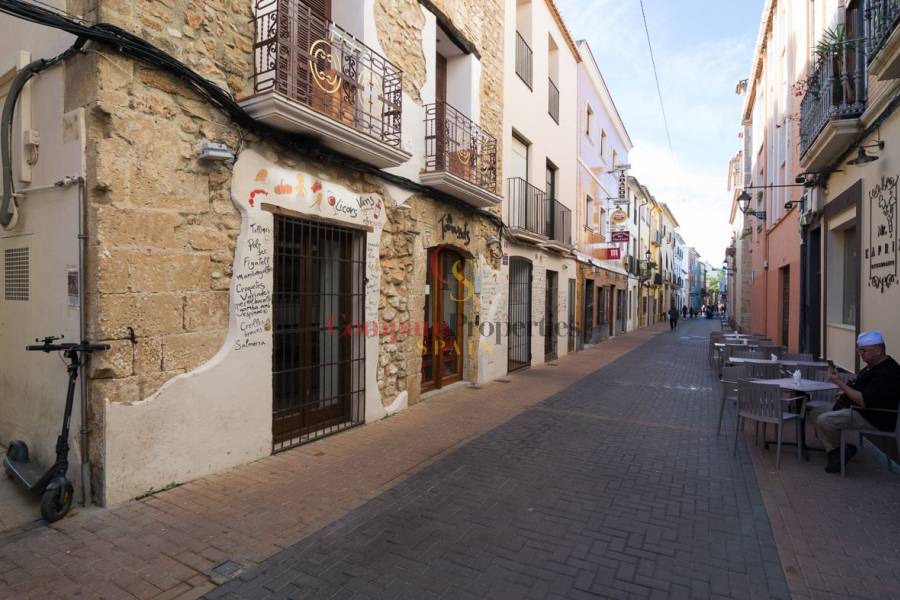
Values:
[(444, 343), (519, 314)]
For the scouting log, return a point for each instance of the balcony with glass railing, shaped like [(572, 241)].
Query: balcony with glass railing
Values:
[(312, 77), (460, 157), (883, 38), (835, 98)]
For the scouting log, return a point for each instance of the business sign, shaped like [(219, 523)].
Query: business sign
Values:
[(621, 236), (608, 254), (618, 216), (622, 184)]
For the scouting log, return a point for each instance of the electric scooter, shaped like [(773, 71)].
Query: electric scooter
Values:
[(50, 482)]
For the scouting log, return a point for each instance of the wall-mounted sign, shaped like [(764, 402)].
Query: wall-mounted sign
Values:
[(460, 232), (618, 216), (622, 184), (608, 254), (882, 249), (620, 236)]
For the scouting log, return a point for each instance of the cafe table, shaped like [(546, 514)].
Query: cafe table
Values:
[(734, 360), (804, 387)]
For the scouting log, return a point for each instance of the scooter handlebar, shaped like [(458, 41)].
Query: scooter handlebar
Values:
[(83, 347)]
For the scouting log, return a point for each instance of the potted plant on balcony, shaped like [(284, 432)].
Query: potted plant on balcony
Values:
[(831, 49)]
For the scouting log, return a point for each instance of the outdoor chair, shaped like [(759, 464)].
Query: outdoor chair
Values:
[(797, 356), (810, 372), (729, 388), (886, 441), (764, 404), (764, 371)]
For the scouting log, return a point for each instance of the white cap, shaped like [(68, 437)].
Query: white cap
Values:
[(869, 338)]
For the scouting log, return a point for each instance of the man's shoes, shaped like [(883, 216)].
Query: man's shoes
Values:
[(834, 458)]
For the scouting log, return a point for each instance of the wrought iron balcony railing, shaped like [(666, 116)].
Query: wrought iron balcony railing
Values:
[(527, 206), (553, 100), (456, 145), (523, 59), (309, 59), (836, 89), (882, 16), (559, 225)]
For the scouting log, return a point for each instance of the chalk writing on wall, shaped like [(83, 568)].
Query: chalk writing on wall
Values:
[(253, 298), (373, 278)]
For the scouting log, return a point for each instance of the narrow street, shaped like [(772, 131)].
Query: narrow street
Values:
[(600, 475), (615, 487)]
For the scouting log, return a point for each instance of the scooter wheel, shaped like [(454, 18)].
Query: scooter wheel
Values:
[(17, 451), (56, 503)]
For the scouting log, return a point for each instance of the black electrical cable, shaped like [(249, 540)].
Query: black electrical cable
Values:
[(6, 124), (132, 46)]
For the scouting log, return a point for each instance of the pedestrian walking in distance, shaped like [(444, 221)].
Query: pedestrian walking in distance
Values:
[(684, 312), (673, 319)]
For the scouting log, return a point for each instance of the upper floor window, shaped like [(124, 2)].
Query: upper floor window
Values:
[(589, 121), (602, 144)]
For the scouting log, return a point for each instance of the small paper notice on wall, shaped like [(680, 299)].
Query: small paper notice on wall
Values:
[(72, 282)]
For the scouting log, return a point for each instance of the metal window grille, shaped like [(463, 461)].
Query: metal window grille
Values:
[(16, 273), (523, 59), (553, 101), (519, 314), (319, 331), (550, 314)]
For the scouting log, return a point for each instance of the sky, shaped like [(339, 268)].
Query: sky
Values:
[(702, 49)]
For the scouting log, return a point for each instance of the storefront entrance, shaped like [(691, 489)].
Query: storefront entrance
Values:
[(550, 312), (318, 372), (444, 344)]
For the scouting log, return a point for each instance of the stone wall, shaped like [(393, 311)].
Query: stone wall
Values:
[(162, 226)]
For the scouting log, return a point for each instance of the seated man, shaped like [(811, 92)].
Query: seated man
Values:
[(876, 386)]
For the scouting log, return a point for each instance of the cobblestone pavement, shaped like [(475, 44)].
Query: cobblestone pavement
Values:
[(615, 487), (166, 546)]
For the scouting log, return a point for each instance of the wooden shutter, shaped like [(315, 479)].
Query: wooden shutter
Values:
[(320, 7)]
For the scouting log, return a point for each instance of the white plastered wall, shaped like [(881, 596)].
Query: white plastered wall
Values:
[(33, 384), (220, 414)]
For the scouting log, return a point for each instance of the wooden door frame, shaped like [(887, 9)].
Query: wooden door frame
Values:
[(437, 300)]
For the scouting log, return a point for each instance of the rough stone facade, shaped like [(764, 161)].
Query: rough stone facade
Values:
[(162, 226)]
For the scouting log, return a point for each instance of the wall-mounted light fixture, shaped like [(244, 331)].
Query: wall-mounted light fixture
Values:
[(862, 157)]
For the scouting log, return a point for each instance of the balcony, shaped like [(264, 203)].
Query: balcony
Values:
[(527, 211), (832, 105), (523, 60), (657, 238), (553, 100), (559, 227), (883, 38), (460, 157), (312, 77)]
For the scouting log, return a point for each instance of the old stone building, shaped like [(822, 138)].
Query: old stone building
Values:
[(338, 258)]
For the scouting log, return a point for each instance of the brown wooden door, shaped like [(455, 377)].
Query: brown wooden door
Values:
[(318, 376), (444, 337)]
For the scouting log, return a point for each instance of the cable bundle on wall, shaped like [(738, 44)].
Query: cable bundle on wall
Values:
[(134, 47)]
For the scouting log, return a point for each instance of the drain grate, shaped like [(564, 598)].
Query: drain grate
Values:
[(225, 571)]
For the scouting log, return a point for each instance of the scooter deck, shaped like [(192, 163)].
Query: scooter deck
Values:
[(29, 473)]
